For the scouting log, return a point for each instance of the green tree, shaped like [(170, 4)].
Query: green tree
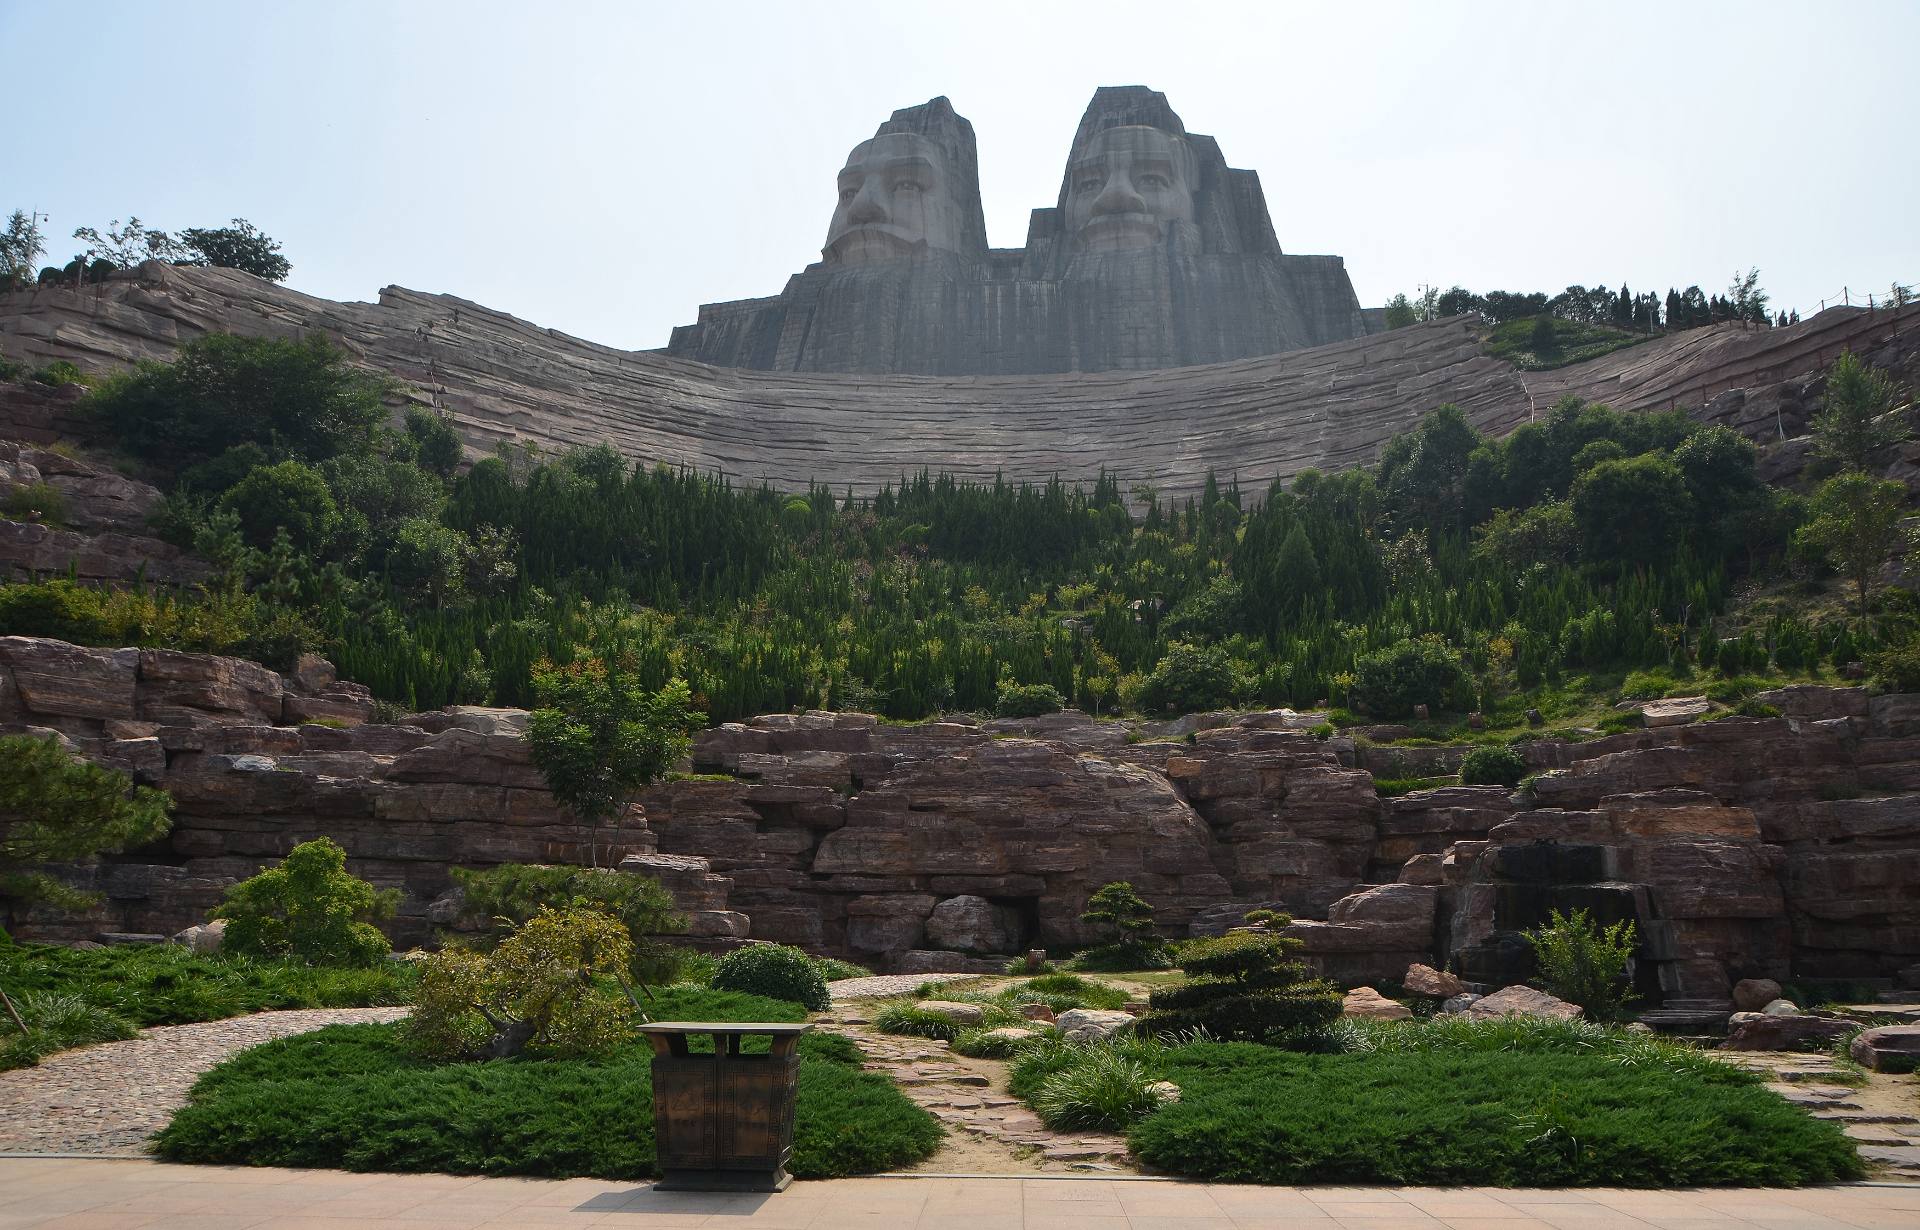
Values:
[(239, 245), (1190, 678), (1545, 534), (435, 444), (1297, 573), (57, 808), (1390, 682), (1854, 422), (504, 898), (21, 247), (309, 907), (1401, 312), (1855, 523), (126, 245), (599, 737), (1125, 922), (295, 399), (288, 496), (1635, 510)]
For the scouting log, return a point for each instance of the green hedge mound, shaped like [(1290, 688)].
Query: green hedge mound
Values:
[(351, 1096), (1252, 1114)]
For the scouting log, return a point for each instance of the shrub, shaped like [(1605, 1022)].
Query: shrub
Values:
[(1106, 1090), (775, 971), (1493, 766), (1259, 1115), (1585, 963), (288, 496), (833, 969), (538, 988), (1063, 991), (61, 609), (1024, 700), (57, 808), (356, 1097), (1190, 678), (59, 374), (42, 502), (1392, 681), (1241, 986), (308, 907), (1896, 668), (505, 897)]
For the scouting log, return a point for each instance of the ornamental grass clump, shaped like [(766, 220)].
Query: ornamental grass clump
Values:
[(1243, 987), (1106, 1089)]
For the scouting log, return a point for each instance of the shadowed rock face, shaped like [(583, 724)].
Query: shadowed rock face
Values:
[(1157, 255)]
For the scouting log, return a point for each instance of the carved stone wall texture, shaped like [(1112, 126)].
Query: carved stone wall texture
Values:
[(502, 379), (1157, 254)]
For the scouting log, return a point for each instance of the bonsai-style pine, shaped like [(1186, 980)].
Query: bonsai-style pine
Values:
[(1127, 923), (1242, 987)]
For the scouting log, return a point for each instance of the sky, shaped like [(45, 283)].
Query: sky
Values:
[(603, 169)]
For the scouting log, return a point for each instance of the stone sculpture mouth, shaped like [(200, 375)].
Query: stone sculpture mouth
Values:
[(873, 241), (1132, 230)]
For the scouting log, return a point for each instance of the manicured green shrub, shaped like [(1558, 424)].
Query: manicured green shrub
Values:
[(1585, 963), (1126, 921), (776, 971), (308, 907), (1106, 1090), (833, 969), (1024, 700), (1258, 1115), (1493, 766), (1241, 986), (356, 1097)]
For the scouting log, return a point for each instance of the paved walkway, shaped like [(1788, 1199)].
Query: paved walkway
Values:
[(107, 1099), (114, 1194)]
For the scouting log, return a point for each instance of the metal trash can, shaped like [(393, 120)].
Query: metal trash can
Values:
[(723, 1122)]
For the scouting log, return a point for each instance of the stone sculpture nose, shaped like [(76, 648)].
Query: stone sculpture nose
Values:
[(1118, 197), (867, 207)]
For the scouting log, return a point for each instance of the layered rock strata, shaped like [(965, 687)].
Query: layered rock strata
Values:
[(504, 380)]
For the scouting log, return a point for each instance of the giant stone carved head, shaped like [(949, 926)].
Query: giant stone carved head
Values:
[(1128, 187), (898, 199)]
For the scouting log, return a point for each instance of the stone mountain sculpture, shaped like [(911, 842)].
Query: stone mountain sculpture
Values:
[(1157, 254)]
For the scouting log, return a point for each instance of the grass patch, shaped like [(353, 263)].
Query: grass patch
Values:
[(164, 984), (1516, 342), (353, 1097), (1453, 1116), (1394, 787)]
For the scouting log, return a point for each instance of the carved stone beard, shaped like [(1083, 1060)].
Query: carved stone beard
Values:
[(896, 202), (1130, 188)]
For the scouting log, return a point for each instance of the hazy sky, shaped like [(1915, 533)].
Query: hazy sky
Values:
[(605, 168)]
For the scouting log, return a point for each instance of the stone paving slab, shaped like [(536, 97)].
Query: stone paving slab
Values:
[(109, 1098), (125, 1194), (879, 986)]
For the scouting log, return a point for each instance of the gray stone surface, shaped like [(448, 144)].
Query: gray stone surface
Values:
[(1157, 254)]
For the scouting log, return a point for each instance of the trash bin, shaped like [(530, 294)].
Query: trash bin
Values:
[(723, 1122)]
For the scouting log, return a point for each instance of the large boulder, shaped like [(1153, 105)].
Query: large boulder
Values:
[(1674, 711), (1754, 994), (1431, 982), (1522, 1001), (1092, 1024), (205, 939), (1887, 1048), (973, 924), (1760, 1032), (1373, 1006), (954, 1010)]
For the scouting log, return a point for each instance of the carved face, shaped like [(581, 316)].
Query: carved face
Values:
[(896, 201), (1128, 186)]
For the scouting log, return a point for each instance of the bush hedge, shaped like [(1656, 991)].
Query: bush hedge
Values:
[(776, 971)]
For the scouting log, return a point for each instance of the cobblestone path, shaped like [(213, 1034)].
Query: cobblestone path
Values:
[(109, 1098), (997, 1133)]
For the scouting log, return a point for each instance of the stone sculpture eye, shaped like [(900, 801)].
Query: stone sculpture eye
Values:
[(908, 185), (1156, 182), (846, 194), (1090, 183)]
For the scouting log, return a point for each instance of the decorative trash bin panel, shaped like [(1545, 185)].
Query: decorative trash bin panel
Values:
[(723, 1121)]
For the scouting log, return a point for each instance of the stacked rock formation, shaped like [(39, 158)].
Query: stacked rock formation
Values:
[(955, 845), (1156, 255)]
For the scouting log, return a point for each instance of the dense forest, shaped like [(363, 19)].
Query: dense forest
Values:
[(1460, 573)]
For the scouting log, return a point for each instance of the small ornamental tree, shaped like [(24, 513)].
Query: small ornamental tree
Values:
[(600, 737), (308, 907), (241, 246), (1853, 423), (1126, 925), (503, 899), (1585, 963), (543, 986), (57, 808), (1242, 987), (1856, 525)]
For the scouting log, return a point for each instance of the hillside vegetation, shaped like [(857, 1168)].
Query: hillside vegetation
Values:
[(1459, 573)]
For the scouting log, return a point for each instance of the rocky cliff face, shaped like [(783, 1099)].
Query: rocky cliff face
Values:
[(1742, 847), (1328, 407)]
